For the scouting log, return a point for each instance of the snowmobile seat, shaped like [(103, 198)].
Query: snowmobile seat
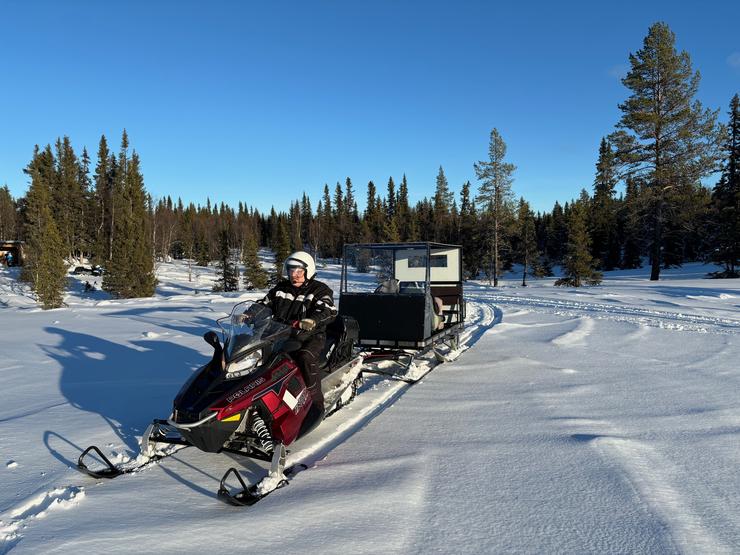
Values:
[(341, 336)]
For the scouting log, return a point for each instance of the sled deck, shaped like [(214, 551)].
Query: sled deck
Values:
[(416, 305)]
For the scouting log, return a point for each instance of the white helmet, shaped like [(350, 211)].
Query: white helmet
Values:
[(300, 259)]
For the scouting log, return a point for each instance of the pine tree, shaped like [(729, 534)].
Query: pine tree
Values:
[(495, 194), (665, 137), (726, 199), (579, 265)]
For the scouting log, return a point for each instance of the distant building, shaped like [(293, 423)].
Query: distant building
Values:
[(13, 247)]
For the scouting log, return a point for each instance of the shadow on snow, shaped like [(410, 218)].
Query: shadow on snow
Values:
[(127, 386)]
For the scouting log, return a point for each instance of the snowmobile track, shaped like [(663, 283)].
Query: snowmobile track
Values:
[(653, 318)]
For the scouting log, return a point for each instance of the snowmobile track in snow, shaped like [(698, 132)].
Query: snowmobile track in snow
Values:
[(36, 507), (653, 318)]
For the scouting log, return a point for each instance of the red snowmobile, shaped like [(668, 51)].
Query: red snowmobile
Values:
[(251, 398)]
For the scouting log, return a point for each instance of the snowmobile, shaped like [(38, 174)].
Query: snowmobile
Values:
[(250, 399)]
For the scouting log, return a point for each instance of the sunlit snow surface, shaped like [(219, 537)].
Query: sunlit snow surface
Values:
[(601, 419)]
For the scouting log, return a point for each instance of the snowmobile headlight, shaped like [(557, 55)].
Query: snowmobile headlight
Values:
[(244, 365)]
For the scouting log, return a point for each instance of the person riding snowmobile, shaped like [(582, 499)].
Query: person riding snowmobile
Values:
[(307, 305)]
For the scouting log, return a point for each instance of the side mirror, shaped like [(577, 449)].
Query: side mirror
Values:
[(212, 339)]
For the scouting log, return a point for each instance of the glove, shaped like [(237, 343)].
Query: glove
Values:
[(307, 324)]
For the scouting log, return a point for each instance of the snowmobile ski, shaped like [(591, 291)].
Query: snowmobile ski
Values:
[(111, 470), (277, 478), (250, 494)]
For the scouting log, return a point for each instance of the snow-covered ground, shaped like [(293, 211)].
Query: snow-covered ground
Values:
[(601, 419)]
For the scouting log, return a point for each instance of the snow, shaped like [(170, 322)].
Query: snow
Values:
[(602, 419)]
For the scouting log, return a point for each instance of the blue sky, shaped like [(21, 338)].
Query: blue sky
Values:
[(261, 101)]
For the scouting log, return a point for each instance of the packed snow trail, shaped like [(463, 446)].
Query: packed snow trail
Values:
[(561, 430), (656, 318)]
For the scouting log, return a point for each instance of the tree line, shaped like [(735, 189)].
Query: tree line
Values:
[(665, 144)]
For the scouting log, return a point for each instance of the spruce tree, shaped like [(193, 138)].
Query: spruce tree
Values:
[(326, 226), (130, 271), (341, 219), (254, 275), (403, 212), (468, 233), (665, 137), (307, 224), (726, 199), (631, 218), (296, 241), (228, 277), (494, 193), (350, 206), (282, 248), (44, 266), (8, 215), (442, 202), (579, 267), (392, 199), (604, 232), (142, 270), (526, 252), (70, 197)]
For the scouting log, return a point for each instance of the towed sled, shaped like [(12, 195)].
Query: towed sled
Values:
[(250, 399), (419, 309)]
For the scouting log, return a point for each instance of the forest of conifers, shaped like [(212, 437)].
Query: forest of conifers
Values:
[(676, 164)]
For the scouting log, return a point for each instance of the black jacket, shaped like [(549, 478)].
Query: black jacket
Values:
[(314, 299)]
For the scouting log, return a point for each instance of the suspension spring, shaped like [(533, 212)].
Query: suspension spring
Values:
[(262, 432)]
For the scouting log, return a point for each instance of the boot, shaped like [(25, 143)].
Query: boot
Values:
[(315, 414)]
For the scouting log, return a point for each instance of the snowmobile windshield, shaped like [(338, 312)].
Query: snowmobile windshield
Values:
[(250, 324)]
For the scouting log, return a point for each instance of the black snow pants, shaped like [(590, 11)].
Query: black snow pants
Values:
[(307, 358)]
